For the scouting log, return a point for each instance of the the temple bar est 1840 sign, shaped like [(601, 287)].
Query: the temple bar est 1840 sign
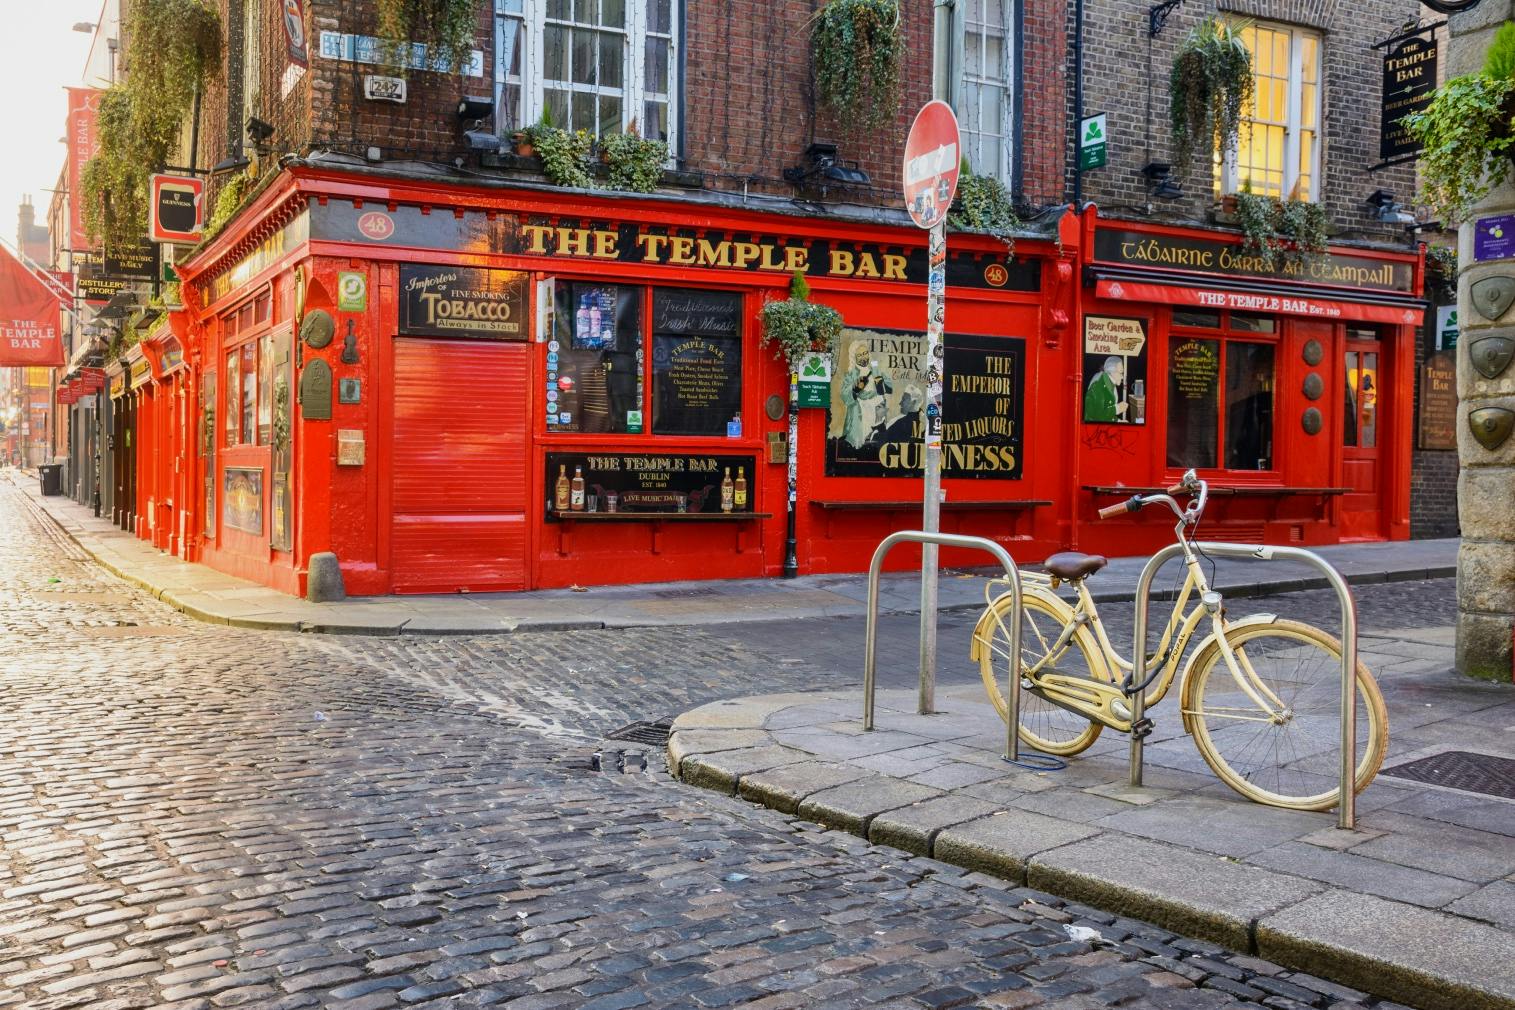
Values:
[(1409, 79), (463, 302)]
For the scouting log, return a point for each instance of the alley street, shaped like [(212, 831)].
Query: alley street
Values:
[(197, 816)]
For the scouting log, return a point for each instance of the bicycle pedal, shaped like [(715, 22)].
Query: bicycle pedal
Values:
[(1142, 728)]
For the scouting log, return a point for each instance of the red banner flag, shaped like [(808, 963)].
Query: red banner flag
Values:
[(28, 318), (83, 142)]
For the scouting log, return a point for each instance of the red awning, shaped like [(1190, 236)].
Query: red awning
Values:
[(1250, 301), (28, 317)]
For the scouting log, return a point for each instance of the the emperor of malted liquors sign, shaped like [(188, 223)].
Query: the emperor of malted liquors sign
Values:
[(464, 302)]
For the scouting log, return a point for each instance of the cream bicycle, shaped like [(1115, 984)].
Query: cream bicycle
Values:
[(1260, 695)]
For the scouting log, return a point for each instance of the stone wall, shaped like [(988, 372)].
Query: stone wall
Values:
[(1486, 488)]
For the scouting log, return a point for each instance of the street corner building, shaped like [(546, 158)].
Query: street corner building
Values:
[(412, 348)]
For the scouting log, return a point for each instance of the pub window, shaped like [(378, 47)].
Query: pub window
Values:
[(595, 368), (232, 385), (1277, 152), (1360, 411), (1221, 397), (265, 389), (596, 65), (696, 362), (249, 372), (986, 101)]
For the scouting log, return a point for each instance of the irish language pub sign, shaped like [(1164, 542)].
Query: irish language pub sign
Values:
[(1191, 253), (595, 241)]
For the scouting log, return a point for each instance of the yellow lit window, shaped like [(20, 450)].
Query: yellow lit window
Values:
[(1277, 152)]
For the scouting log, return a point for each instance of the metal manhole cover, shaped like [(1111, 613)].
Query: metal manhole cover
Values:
[(1458, 769), (654, 734)]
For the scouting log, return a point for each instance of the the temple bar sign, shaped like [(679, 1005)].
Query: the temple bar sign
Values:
[(1409, 79)]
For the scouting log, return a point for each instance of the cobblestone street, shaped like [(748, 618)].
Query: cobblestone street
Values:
[(198, 816)]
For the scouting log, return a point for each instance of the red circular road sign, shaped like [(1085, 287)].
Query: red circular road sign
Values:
[(932, 156)]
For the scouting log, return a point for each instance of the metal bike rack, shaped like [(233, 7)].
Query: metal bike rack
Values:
[(927, 698), (1347, 808)]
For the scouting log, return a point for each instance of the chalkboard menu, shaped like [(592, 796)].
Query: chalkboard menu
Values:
[(463, 302), (651, 483), (1193, 402), (696, 362)]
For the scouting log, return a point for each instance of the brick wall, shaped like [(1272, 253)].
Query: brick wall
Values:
[(1126, 76), (749, 110)]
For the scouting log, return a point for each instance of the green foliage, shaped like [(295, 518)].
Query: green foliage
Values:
[(981, 204), (564, 154), (447, 28), (798, 326), (858, 52), (1280, 231), (1466, 140), (1209, 84), (171, 48), (1499, 62), (635, 164), (229, 200)]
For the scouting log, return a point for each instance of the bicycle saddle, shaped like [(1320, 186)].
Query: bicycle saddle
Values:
[(1070, 565)]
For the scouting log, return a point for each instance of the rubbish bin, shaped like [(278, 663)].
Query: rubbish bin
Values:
[(52, 478)]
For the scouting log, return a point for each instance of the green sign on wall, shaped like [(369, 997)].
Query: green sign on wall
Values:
[(1091, 142)]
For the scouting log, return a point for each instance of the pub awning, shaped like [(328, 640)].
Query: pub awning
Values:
[(1257, 296)]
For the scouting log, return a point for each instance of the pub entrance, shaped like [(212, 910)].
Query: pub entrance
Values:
[(1363, 432), (460, 479)]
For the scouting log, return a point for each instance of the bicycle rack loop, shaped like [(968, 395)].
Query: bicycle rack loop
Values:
[(1346, 816), (927, 696)]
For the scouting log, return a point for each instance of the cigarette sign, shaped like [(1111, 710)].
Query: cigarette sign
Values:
[(1112, 335)]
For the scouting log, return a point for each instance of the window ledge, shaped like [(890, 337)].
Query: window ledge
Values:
[(511, 162)]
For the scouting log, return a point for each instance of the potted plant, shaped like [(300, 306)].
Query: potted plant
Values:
[(635, 163), (858, 51), (982, 205), (798, 326), (1210, 83), (564, 153), (1280, 231), (1467, 133)]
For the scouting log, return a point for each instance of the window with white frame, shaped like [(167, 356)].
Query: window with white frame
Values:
[(596, 65), (1277, 152), (985, 106)]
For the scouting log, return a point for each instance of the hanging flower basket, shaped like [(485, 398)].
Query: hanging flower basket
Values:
[(1211, 82), (798, 326)]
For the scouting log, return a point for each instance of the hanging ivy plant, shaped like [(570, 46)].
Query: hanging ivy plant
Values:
[(447, 28), (564, 154), (228, 201), (635, 164), (797, 326), (171, 48), (1280, 231), (983, 205), (858, 51), (1211, 82)]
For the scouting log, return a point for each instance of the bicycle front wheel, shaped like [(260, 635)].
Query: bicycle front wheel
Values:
[(1043, 726), (1291, 759)]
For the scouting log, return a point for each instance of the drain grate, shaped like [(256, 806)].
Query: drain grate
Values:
[(653, 734), (1459, 769)]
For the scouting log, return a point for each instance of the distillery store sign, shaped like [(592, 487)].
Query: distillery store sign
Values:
[(618, 242), (462, 302)]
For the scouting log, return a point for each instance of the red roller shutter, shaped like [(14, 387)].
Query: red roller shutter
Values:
[(460, 480)]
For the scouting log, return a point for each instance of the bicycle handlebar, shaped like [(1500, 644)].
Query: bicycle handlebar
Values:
[(1111, 511), (1189, 516)]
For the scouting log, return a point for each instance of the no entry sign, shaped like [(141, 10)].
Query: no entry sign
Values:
[(932, 156)]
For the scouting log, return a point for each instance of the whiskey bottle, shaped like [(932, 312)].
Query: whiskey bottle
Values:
[(576, 490), (740, 496), (560, 492), (727, 491)]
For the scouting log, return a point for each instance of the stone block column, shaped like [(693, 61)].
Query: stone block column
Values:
[(1486, 394)]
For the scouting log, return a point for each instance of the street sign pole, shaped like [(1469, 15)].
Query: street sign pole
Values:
[(932, 161)]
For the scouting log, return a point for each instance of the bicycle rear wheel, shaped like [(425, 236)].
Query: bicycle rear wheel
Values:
[(1043, 725), (1294, 760)]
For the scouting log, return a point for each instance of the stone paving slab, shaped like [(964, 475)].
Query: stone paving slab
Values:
[(216, 598), (1187, 854)]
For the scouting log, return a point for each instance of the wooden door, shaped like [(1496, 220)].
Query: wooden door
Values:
[(1363, 432)]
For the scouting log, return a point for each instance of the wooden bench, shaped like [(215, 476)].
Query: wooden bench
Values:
[(1276, 493), (654, 517), (947, 506)]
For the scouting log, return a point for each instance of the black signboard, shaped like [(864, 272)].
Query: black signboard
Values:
[(877, 395), (100, 289), (463, 302), (599, 241), (178, 209), (696, 362), (1184, 252), (1193, 402), (140, 261), (647, 483), (1409, 80)]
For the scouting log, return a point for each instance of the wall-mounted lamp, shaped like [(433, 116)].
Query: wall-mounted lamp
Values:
[(87, 27), (823, 163), (258, 131), (1386, 210), (475, 110), (472, 111), (228, 166), (1160, 178)]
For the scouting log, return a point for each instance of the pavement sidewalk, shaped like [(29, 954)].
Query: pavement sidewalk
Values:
[(1417, 904), (208, 595)]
